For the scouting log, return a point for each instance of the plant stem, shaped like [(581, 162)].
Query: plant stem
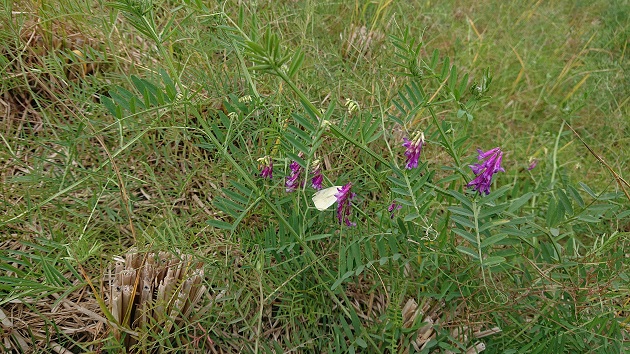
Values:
[(554, 157)]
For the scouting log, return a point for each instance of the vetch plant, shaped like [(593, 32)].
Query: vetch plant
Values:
[(318, 178), (266, 167), (477, 245), (294, 180), (490, 165), (392, 209), (413, 150), (344, 204)]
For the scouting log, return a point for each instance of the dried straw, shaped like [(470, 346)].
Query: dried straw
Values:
[(153, 292)]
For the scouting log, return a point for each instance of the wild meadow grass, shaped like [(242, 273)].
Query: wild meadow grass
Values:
[(305, 176)]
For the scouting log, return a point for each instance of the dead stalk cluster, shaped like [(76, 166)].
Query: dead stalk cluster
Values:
[(155, 291), (431, 316)]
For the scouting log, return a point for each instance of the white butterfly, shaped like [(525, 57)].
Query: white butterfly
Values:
[(324, 198)]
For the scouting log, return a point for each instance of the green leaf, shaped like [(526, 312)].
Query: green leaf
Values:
[(446, 68), (295, 143), (5, 266), (148, 91), (242, 188), (227, 206), (230, 203), (496, 194), (623, 214), (463, 221), (360, 342), (369, 131), (491, 211), (405, 202), (493, 224), (397, 181), (355, 254), (461, 211), (347, 275), (551, 212), (296, 62), (261, 67), (519, 221), (575, 195), (401, 191), (462, 198), (564, 200), (114, 109), (519, 233), (381, 245), (600, 209), (401, 109), (255, 48), (219, 224), (411, 216), (236, 196), (462, 85), (359, 270), (169, 85), (468, 251), (452, 82), (346, 328), (490, 241), (588, 190), (406, 102), (435, 58), (588, 218), (299, 133), (121, 98), (519, 202), (466, 235), (448, 179), (559, 214), (493, 261)]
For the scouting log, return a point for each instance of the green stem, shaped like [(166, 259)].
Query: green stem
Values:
[(446, 142), (555, 155), (476, 210), (297, 91)]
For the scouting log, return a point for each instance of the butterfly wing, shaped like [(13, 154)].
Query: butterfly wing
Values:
[(324, 198)]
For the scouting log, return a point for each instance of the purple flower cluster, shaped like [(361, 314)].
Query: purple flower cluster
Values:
[(393, 207), (318, 178), (293, 180), (491, 164), (532, 164), (267, 167), (414, 148), (344, 204)]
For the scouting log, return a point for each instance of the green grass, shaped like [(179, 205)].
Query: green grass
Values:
[(125, 131)]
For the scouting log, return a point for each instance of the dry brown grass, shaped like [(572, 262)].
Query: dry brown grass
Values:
[(55, 321)]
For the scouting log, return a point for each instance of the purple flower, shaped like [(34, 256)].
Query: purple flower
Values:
[(344, 204), (293, 180), (393, 207), (532, 164), (414, 147), (266, 167), (318, 178), (491, 164)]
